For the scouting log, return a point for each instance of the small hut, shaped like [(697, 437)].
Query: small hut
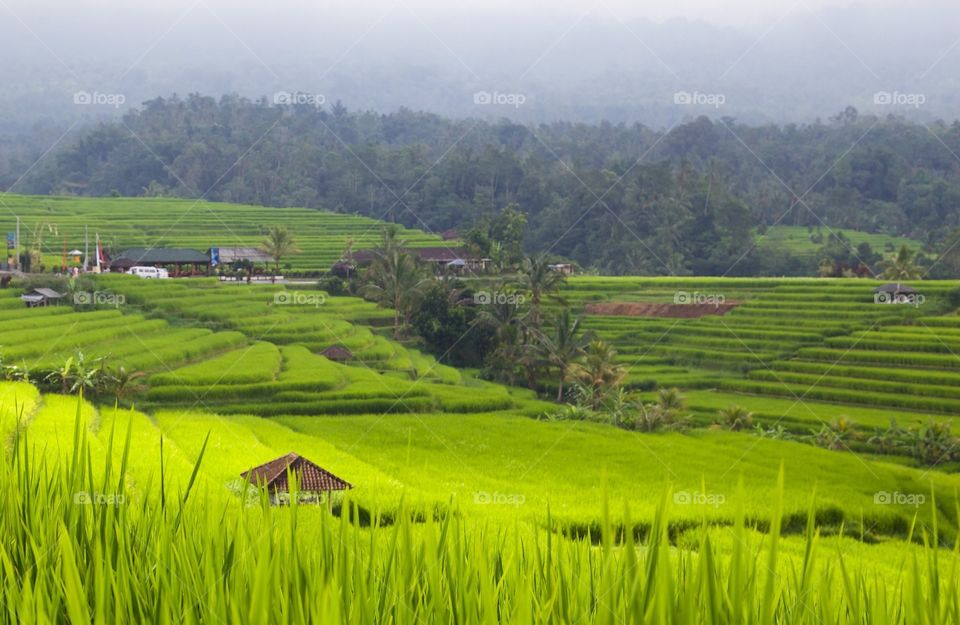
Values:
[(337, 353), (895, 293), (41, 297), (314, 482)]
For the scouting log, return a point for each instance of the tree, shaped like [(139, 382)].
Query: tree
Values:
[(538, 279), (504, 318), (901, 266), (446, 326), (563, 346), (122, 383), (279, 244), (735, 417), (597, 372), (668, 411), (396, 280)]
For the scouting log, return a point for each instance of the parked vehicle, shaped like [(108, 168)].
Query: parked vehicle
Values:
[(155, 273)]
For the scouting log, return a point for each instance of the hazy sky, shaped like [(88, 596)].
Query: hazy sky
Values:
[(750, 13)]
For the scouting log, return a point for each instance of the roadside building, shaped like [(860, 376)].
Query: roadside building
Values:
[(179, 261)]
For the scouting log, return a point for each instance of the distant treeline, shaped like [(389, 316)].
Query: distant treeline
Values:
[(619, 198)]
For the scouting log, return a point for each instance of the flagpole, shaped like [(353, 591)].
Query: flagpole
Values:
[(98, 252)]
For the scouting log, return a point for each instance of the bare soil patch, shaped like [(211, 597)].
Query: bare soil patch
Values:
[(645, 309)]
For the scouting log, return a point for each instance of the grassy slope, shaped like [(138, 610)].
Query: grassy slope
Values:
[(133, 222), (796, 240)]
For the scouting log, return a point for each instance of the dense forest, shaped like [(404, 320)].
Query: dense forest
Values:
[(619, 198)]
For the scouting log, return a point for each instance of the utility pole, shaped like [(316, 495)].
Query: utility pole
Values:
[(86, 249)]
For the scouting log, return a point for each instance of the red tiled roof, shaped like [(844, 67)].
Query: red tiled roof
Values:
[(312, 478)]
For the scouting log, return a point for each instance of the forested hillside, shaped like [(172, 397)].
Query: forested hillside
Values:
[(624, 199)]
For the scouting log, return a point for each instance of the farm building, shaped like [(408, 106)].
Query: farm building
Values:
[(231, 255), (184, 261), (439, 257), (41, 297), (313, 481), (562, 268), (895, 293), (337, 353)]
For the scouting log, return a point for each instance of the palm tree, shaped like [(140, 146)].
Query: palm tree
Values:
[(561, 348), (901, 266), (735, 417), (279, 243), (598, 371), (123, 383), (538, 279), (510, 334), (396, 280)]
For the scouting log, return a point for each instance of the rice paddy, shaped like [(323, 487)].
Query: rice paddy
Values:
[(471, 504)]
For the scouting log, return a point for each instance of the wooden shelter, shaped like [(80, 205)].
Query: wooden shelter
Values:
[(41, 297), (337, 353), (184, 261), (313, 481), (895, 293)]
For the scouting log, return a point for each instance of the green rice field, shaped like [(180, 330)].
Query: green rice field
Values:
[(471, 502), (56, 225)]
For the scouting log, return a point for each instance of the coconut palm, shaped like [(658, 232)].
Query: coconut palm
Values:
[(562, 346), (735, 417), (538, 279), (901, 266), (511, 335), (396, 280), (123, 383), (279, 244), (598, 371)]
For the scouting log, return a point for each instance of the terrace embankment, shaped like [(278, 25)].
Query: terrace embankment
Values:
[(648, 309)]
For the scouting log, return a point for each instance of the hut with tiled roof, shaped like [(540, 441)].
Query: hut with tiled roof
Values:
[(314, 482)]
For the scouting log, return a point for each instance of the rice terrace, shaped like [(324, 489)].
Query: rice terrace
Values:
[(479, 313), (304, 432)]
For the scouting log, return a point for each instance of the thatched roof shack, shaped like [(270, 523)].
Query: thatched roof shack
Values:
[(313, 481)]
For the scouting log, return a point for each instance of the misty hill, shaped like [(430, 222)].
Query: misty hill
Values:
[(624, 199), (578, 65)]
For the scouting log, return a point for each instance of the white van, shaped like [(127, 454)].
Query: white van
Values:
[(149, 272)]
